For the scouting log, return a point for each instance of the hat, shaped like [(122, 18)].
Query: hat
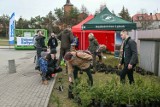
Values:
[(73, 44), (53, 51)]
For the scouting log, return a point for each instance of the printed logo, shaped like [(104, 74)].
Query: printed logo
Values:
[(107, 18)]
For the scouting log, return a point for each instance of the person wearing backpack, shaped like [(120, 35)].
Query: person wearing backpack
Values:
[(52, 42), (79, 60)]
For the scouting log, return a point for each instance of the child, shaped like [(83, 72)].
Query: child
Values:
[(43, 67)]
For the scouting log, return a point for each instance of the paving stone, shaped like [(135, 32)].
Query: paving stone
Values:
[(24, 88)]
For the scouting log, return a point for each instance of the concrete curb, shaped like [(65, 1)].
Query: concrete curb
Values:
[(50, 91), (6, 47)]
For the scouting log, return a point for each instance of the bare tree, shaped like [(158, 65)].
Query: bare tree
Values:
[(84, 9), (4, 22), (144, 19), (113, 12), (102, 7)]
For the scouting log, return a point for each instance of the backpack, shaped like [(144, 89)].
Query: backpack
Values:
[(85, 55)]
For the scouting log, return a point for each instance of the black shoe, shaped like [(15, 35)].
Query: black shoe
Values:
[(37, 68), (48, 78), (81, 72)]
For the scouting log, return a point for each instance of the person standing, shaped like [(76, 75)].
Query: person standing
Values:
[(66, 38), (93, 47), (129, 57), (40, 45), (52, 42)]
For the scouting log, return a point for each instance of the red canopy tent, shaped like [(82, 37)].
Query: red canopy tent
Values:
[(78, 26), (103, 36)]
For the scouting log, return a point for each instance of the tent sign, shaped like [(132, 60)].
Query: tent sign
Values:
[(109, 26)]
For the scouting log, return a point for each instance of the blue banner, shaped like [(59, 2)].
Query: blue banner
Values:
[(118, 43), (11, 28)]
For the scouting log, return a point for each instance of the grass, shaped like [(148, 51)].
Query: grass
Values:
[(59, 98)]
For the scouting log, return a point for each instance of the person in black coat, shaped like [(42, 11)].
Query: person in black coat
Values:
[(129, 57), (52, 63), (52, 42), (40, 46)]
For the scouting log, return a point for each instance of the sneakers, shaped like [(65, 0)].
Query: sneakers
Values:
[(45, 82), (53, 75), (48, 78)]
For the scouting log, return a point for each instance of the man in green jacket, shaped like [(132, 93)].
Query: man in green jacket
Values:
[(66, 38)]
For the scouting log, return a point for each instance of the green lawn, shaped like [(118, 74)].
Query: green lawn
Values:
[(59, 98)]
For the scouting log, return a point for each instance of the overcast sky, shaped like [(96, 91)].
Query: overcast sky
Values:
[(32, 8)]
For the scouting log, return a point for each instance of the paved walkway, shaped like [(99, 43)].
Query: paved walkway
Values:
[(6, 47), (24, 88)]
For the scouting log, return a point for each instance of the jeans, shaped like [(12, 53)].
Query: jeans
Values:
[(44, 76), (38, 55)]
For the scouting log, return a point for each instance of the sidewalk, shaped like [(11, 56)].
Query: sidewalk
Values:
[(6, 47), (24, 88)]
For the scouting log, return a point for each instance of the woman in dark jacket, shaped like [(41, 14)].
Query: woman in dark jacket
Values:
[(52, 42), (93, 47)]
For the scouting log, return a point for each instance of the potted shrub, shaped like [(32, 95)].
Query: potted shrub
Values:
[(131, 95)]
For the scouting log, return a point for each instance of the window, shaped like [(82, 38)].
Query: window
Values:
[(140, 17)]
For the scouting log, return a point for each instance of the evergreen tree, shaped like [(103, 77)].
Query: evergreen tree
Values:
[(124, 14)]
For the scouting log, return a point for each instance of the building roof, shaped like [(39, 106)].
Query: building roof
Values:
[(138, 17), (158, 16)]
